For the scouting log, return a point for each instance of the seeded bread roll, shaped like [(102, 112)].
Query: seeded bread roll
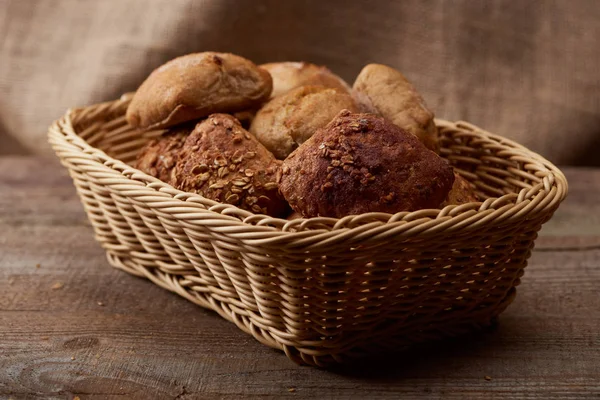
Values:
[(462, 192), (289, 120), (158, 157), (196, 85), (290, 75), (397, 100), (222, 161), (362, 163)]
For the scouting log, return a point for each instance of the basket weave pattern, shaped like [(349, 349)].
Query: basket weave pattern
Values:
[(320, 289)]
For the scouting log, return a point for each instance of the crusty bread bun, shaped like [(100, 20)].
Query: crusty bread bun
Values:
[(462, 192), (397, 100), (290, 75), (362, 163), (222, 161), (159, 156), (196, 85), (290, 119)]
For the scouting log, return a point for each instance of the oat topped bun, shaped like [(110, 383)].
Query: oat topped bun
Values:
[(196, 85), (397, 100), (290, 75), (159, 156), (362, 163), (222, 161), (290, 119)]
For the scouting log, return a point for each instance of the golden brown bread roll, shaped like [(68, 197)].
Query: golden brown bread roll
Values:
[(222, 161), (397, 100), (289, 120), (158, 157), (462, 192), (364, 103), (362, 163), (290, 75), (196, 85)]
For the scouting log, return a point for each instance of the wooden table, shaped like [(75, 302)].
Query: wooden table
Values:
[(72, 326)]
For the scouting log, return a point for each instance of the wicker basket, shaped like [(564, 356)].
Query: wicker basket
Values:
[(320, 289)]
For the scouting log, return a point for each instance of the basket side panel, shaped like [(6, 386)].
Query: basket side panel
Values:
[(88, 196), (496, 166), (417, 289)]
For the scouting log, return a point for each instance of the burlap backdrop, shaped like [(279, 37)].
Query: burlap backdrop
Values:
[(525, 69)]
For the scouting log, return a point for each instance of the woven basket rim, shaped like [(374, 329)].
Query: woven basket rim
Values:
[(192, 208)]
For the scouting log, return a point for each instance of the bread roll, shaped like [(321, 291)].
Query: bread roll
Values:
[(462, 192), (397, 100), (222, 161), (290, 119), (362, 163), (290, 75), (159, 156), (196, 85)]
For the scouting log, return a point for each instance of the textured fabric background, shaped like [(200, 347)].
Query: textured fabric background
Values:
[(526, 69)]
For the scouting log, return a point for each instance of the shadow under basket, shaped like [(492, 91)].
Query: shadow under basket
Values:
[(320, 289)]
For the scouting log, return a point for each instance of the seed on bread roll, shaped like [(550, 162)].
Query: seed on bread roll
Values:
[(362, 163), (290, 75), (196, 85), (222, 161), (290, 119), (159, 156), (397, 100)]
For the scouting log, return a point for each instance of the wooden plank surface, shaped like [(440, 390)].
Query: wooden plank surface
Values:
[(70, 325)]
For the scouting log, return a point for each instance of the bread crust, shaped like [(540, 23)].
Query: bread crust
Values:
[(159, 156), (196, 85), (462, 192), (396, 99), (362, 163), (289, 120), (222, 161), (290, 75)]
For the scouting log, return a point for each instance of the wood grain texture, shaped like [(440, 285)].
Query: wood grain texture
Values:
[(524, 69), (107, 335)]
